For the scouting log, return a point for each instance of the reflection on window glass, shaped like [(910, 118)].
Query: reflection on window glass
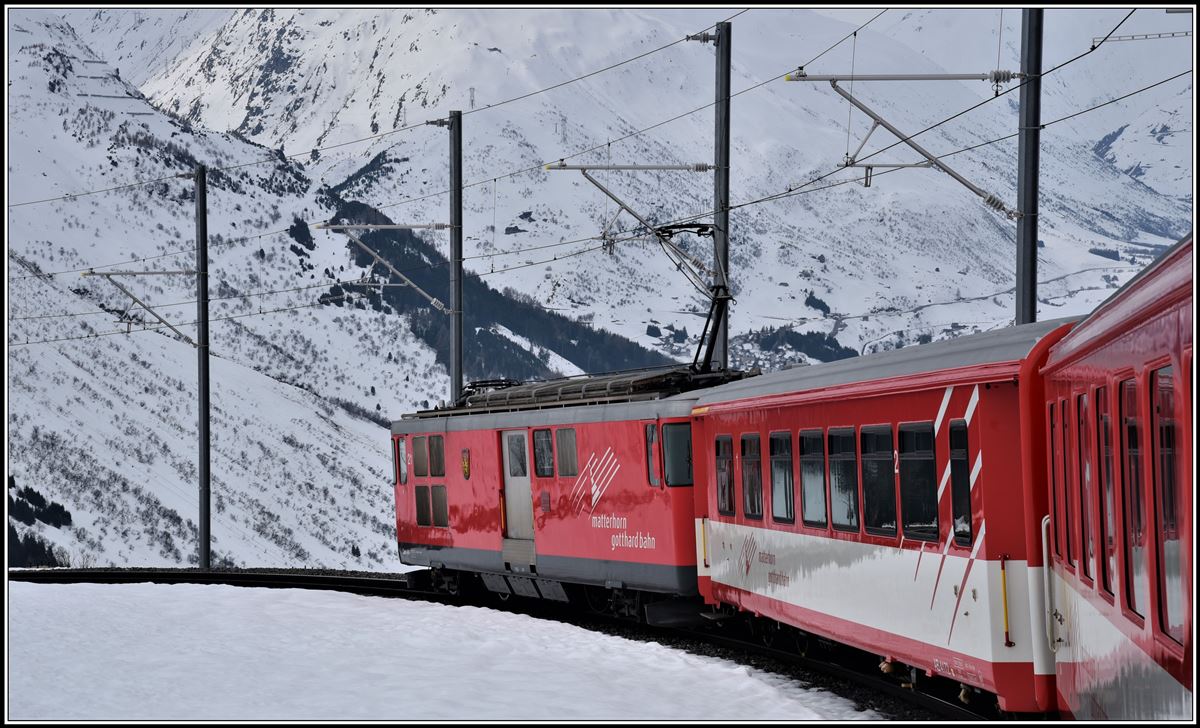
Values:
[(1084, 437), (437, 458), (724, 467), (420, 457), (782, 500), (677, 452), (843, 479), (543, 454), (918, 482), (402, 460), (651, 463), (878, 479), (812, 475), (517, 467), (568, 459), (1166, 485), (1108, 532), (960, 482), (1137, 579), (752, 476)]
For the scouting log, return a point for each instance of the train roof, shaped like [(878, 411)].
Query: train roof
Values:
[(1009, 344), (644, 393), (1159, 285)]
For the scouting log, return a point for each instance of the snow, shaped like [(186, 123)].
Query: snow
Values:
[(214, 652)]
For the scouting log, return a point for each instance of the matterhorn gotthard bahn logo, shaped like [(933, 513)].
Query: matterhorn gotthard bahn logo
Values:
[(749, 551)]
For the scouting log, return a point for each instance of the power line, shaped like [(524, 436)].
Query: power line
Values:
[(366, 138), (608, 144), (515, 172)]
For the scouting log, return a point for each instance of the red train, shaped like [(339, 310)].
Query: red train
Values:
[(904, 503)]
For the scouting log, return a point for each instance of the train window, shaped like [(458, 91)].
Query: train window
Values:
[(517, 466), (568, 459), (543, 454), (752, 476), (420, 457), (677, 453), (960, 482), (423, 515), (918, 482), (1108, 529), (879, 481), (1137, 580), (1066, 481), (1166, 486), (441, 514), (783, 501), (400, 455), (651, 461), (437, 456), (724, 458), (843, 479), (1083, 437), (1054, 485), (812, 477)]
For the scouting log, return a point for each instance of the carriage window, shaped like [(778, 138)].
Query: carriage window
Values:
[(1108, 529), (879, 481), (423, 515), (543, 454), (437, 458), (960, 482), (918, 482), (812, 476), (1054, 485), (1166, 487), (677, 453), (1066, 481), (568, 460), (651, 464), (1137, 581), (420, 457), (441, 514), (400, 453), (783, 502), (724, 455), (517, 466), (843, 479), (752, 476), (1084, 438)]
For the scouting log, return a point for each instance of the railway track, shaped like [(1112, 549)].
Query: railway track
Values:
[(855, 677)]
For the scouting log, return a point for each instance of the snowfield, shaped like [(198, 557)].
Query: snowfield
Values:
[(212, 652)]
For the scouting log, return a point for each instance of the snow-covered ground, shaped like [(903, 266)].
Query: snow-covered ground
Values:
[(211, 652)]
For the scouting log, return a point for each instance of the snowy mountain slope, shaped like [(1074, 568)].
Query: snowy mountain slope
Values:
[(107, 428), (885, 249), (283, 332)]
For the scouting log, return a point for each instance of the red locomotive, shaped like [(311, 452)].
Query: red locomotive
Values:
[(903, 503)]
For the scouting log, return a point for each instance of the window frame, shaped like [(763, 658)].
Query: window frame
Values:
[(846, 431), (1106, 467), (559, 450), (1127, 608), (742, 440), (440, 472), (790, 498), (400, 459), (967, 465), (691, 464), (420, 448), (650, 436), (730, 488), (902, 521), (1158, 526), (801, 456), (1084, 452), (549, 441), (890, 459)]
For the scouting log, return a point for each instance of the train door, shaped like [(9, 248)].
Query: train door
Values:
[(518, 501)]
